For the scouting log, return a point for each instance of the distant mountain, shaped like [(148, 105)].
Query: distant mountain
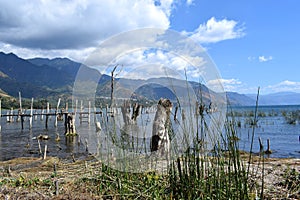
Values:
[(39, 77), (52, 78), (63, 65), (280, 98), (23, 71), (236, 99)]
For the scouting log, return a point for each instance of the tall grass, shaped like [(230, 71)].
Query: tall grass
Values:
[(223, 172), (220, 174)]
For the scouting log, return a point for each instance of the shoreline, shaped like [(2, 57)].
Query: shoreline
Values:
[(36, 178)]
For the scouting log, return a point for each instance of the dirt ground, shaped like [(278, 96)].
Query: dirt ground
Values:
[(52, 178)]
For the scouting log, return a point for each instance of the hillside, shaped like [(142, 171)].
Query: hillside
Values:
[(279, 98), (54, 78), (236, 99)]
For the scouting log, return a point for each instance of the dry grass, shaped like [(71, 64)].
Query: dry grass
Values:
[(34, 178)]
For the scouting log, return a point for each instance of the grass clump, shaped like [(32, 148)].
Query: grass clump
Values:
[(220, 174)]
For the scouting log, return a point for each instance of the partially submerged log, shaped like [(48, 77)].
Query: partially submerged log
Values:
[(160, 141)]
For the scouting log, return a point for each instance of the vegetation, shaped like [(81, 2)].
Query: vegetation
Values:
[(223, 173)]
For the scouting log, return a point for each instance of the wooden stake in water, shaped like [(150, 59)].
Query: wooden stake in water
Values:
[(268, 151), (31, 114), (89, 111), (20, 102), (48, 107), (55, 124), (42, 115), (20, 109)]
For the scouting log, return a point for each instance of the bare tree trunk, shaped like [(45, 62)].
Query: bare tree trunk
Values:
[(112, 86)]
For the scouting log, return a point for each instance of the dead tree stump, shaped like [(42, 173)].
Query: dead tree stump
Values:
[(126, 110), (160, 142)]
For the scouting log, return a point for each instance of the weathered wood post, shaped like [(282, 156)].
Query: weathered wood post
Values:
[(112, 86), (66, 122), (48, 107), (22, 121), (81, 110), (97, 123), (47, 115), (56, 112), (20, 110), (261, 146), (35, 116), (20, 102), (89, 113), (42, 114), (268, 151), (106, 112), (31, 114), (11, 118)]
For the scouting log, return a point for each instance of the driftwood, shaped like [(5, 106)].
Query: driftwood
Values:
[(160, 141)]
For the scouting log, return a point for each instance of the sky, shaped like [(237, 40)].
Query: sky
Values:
[(253, 43)]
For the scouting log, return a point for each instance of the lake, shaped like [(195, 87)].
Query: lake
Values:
[(272, 124)]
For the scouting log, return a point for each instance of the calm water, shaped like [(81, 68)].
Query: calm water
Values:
[(271, 124), (15, 142)]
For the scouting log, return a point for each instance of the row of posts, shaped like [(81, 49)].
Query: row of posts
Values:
[(84, 116)]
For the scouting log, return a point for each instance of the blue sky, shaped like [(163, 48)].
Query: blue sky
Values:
[(267, 54), (253, 43)]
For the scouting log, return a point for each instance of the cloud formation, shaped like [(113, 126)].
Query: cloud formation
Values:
[(284, 86), (76, 24), (189, 2), (217, 30), (264, 58), (228, 84)]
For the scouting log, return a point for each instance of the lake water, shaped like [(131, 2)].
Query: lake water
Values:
[(271, 124)]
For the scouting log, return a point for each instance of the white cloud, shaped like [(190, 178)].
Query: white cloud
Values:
[(189, 2), (228, 84), (264, 58), (251, 58), (76, 24), (215, 31), (284, 86), (74, 29), (145, 64)]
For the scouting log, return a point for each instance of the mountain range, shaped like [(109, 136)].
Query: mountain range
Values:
[(54, 78)]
